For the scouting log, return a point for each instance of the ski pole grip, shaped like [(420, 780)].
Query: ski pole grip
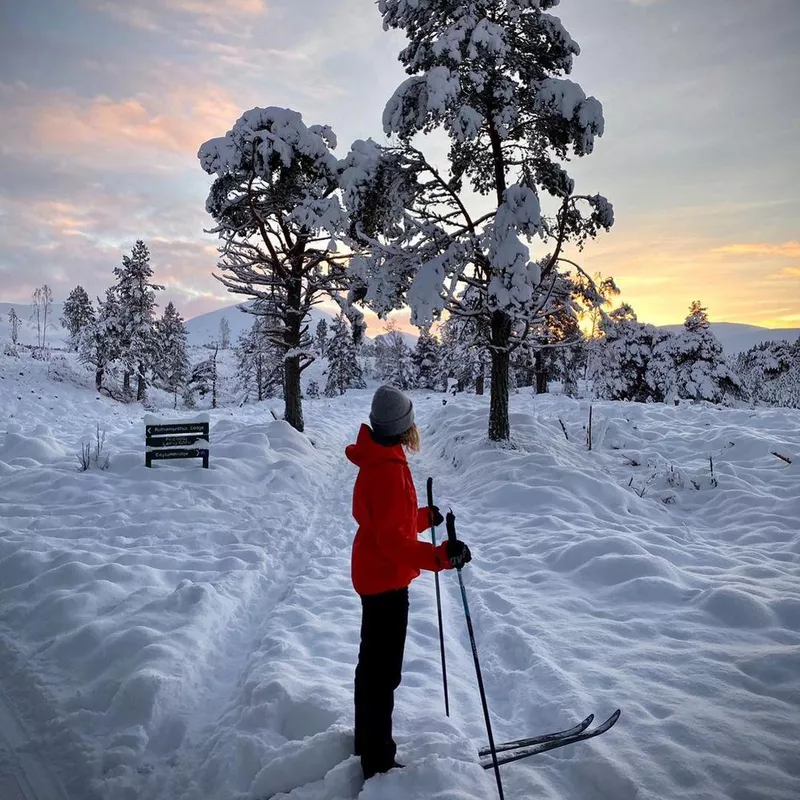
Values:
[(430, 492), (451, 526)]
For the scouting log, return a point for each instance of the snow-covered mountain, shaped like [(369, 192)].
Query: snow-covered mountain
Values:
[(409, 338), (737, 337), (205, 328), (27, 331)]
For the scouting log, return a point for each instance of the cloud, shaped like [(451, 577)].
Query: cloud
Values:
[(149, 14), (227, 18), (80, 240), (788, 274), (103, 131), (766, 249)]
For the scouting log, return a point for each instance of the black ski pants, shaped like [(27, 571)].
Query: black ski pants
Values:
[(384, 619)]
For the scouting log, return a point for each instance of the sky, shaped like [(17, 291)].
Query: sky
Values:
[(104, 104)]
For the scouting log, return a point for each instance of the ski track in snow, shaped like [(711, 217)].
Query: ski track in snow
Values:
[(180, 633)]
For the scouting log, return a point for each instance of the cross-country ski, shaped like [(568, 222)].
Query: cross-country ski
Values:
[(510, 754), (545, 737)]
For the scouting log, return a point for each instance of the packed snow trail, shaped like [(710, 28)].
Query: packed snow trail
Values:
[(225, 704), (24, 774)]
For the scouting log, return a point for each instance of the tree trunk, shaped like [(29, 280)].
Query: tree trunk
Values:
[(140, 384), (126, 382), (293, 321), (480, 383), (499, 425), (98, 378), (214, 379), (292, 393), (541, 374)]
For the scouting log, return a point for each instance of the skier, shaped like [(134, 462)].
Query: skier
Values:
[(387, 556)]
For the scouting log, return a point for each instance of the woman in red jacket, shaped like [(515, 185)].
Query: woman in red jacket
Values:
[(387, 556)]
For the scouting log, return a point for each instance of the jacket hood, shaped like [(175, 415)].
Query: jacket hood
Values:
[(367, 451)]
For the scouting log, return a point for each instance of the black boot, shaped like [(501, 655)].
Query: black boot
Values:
[(370, 772)]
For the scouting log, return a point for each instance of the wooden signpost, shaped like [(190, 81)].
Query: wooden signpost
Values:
[(167, 440)]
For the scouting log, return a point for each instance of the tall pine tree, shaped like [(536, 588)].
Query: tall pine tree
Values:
[(765, 368), (490, 74), (259, 371), (137, 299), (395, 366), (275, 200), (321, 338), (205, 376), (77, 314), (100, 341), (172, 365), (463, 357), (622, 360), (344, 371), (426, 359), (702, 370)]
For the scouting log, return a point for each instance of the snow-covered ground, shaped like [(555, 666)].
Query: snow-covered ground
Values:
[(181, 633)]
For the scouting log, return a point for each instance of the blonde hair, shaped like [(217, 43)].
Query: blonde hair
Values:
[(410, 439)]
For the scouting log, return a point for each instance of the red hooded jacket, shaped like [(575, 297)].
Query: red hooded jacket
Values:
[(386, 552)]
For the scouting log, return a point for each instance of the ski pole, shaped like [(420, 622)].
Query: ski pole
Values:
[(438, 602), (451, 535)]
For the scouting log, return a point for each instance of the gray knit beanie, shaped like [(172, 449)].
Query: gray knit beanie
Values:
[(392, 412)]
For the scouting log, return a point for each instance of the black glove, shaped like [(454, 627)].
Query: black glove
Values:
[(434, 512), (458, 553)]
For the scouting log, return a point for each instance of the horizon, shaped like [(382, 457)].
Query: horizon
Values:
[(376, 326), (107, 103)]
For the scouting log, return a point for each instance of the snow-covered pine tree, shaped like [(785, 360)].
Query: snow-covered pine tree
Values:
[(204, 377), (395, 365), (490, 74), (662, 368), (787, 391), (99, 342), (566, 354), (622, 357), (172, 365), (321, 338), (77, 314), (224, 334), (762, 370), (137, 300), (188, 396), (701, 368), (593, 313), (462, 358), (259, 370), (344, 371), (275, 201), (14, 321), (556, 342), (426, 358), (523, 364)]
